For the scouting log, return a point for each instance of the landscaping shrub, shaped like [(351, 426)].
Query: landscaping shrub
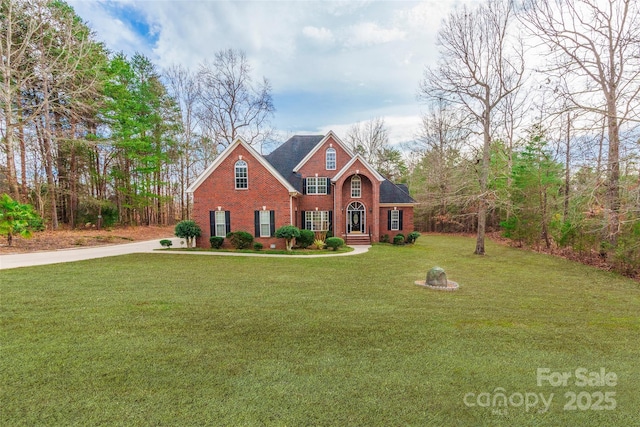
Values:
[(412, 237), (188, 230), (398, 239), (258, 246), (306, 238), (384, 238), (334, 242), (318, 243), (288, 233), (216, 242), (166, 243), (240, 239)]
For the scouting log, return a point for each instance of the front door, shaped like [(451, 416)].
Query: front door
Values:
[(355, 218)]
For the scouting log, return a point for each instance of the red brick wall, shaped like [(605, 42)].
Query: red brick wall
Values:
[(407, 222), (219, 190)]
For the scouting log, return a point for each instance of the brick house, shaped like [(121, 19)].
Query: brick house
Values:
[(311, 181)]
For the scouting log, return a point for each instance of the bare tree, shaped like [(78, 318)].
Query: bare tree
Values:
[(18, 29), (481, 63), (231, 104), (594, 44), (368, 138)]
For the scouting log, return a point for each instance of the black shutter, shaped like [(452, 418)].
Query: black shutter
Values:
[(328, 185), (212, 223), (272, 224), (331, 221), (303, 221), (304, 185), (400, 220), (256, 221), (227, 220), (389, 220)]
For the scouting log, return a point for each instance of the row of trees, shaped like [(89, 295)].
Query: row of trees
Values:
[(533, 126), (93, 136)]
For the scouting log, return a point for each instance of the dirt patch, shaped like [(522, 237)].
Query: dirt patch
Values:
[(63, 239)]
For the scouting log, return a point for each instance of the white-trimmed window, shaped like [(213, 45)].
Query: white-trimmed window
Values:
[(395, 220), (316, 185), (317, 220), (241, 175), (221, 223), (356, 187), (331, 159), (265, 223)]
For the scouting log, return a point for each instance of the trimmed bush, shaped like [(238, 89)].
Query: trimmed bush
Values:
[(306, 238), (166, 243), (240, 239), (257, 246), (412, 237), (188, 230), (398, 239), (334, 242), (288, 233), (216, 242)]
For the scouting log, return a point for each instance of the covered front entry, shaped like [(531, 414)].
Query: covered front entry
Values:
[(356, 220)]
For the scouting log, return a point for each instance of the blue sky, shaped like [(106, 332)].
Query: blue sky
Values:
[(331, 63)]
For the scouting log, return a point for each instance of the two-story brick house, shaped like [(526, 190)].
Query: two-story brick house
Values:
[(311, 181)]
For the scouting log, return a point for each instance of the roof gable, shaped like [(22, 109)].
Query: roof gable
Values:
[(366, 164), (319, 145), (226, 153)]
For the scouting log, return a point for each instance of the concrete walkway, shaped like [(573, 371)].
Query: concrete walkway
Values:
[(149, 246)]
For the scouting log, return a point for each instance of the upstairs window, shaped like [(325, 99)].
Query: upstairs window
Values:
[(356, 187), (331, 159), (316, 185), (241, 175)]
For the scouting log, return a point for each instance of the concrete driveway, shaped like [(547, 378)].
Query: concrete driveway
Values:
[(79, 254)]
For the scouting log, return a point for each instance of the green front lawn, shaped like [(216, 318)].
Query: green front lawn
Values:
[(163, 339)]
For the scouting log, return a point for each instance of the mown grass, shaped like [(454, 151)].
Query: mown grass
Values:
[(167, 339)]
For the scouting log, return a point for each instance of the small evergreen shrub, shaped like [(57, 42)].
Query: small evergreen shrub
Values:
[(216, 242), (384, 238), (166, 243), (412, 237), (188, 230), (398, 239), (334, 242), (306, 238), (288, 233), (257, 246), (240, 239)]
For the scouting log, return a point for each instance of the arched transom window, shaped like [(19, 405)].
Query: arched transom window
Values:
[(241, 175)]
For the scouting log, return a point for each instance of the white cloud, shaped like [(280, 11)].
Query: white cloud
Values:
[(350, 58), (321, 35), (369, 33)]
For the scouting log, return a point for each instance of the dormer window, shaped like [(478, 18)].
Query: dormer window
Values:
[(241, 175), (331, 159), (356, 187)]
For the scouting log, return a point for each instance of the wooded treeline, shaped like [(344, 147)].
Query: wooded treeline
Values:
[(532, 124), (533, 129), (91, 136)]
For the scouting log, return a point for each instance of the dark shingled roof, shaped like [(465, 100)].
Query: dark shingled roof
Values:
[(394, 193), (288, 155)]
